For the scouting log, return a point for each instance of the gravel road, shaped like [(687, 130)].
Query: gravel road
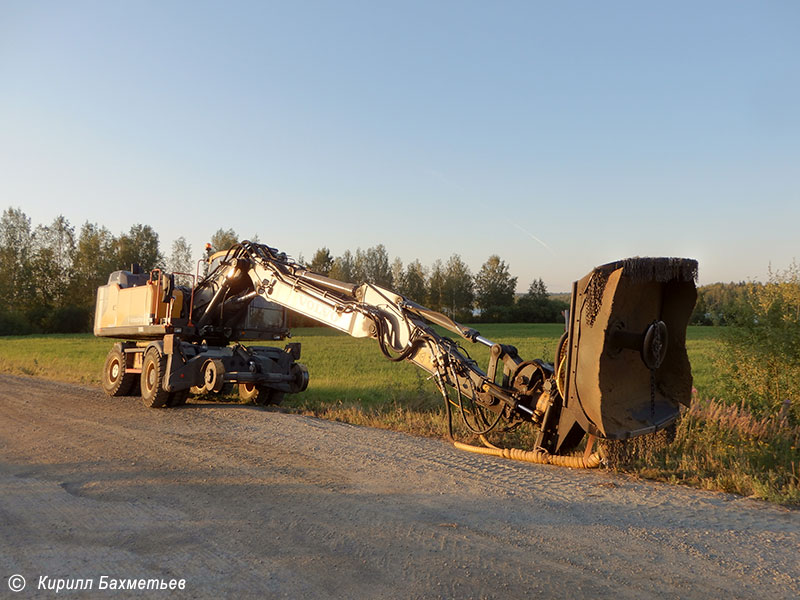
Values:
[(244, 502)]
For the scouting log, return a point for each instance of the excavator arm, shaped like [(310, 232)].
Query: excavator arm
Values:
[(402, 328)]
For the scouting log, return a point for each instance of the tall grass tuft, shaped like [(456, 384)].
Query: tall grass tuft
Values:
[(720, 446)]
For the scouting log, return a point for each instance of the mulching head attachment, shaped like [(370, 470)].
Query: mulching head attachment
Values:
[(624, 370)]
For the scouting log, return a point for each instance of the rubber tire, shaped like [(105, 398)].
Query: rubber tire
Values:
[(260, 395), (154, 368), (300, 373), (115, 381), (178, 398)]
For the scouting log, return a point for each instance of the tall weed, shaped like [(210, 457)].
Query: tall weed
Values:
[(721, 446), (759, 362)]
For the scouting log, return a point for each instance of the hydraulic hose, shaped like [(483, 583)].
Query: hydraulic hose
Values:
[(538, 457)]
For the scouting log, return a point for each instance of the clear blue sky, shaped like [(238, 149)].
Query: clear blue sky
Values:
[(602, 129)]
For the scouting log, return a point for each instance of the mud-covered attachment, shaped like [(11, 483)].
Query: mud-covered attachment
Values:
[(626, 368)]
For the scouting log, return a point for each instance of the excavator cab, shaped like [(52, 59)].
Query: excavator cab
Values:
[(261, 320), (138, 305)]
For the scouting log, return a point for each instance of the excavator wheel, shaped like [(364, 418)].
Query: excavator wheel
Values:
[(300, 382), (154, 368), (178, 398), (116, 382), (262, 396)]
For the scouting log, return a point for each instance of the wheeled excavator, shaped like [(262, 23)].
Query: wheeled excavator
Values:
[(621, 369)]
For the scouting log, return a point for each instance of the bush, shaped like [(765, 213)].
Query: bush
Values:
[(37, 316), (720, 303), (496, 314), (760, 362), (529, 309), (13, 323), (69, 319)]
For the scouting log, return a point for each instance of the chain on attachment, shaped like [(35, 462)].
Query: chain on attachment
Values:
[(656, 351)]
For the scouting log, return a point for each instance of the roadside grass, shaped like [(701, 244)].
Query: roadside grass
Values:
[(74, 358), (717, 444)]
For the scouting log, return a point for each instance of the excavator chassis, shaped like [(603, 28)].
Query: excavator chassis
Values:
[(164, 371)]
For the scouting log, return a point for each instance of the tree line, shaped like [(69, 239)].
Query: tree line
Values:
[(722, 303), (49, 275), (446, 286)]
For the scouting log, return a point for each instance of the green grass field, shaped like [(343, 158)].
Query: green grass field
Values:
[(717, 445), (343, 369)]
